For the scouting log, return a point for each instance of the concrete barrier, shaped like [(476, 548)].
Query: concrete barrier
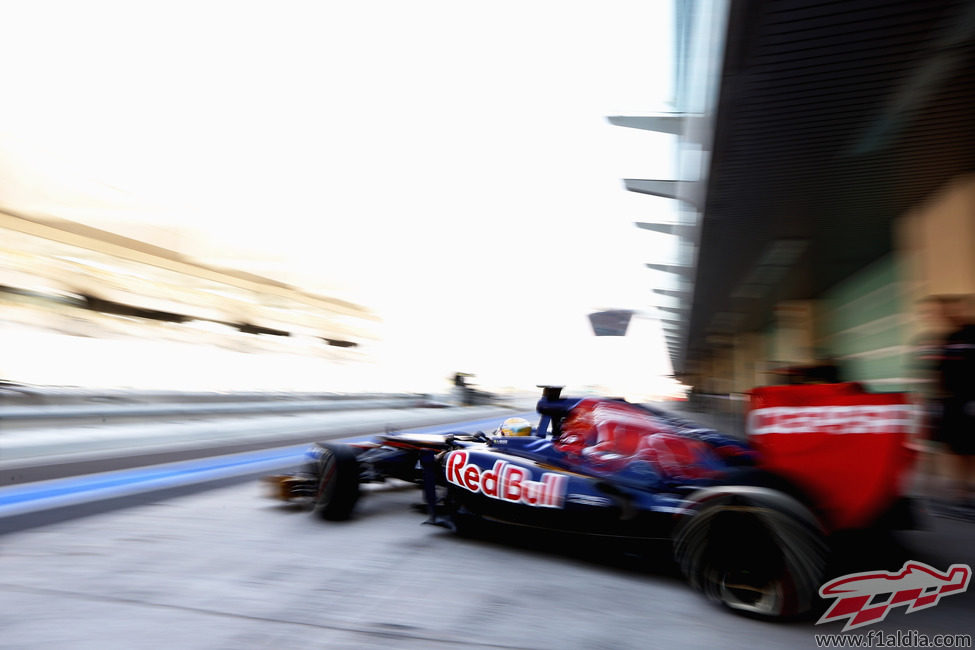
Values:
[(12, 415)]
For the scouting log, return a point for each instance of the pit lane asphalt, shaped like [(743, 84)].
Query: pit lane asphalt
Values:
[(230, 568)]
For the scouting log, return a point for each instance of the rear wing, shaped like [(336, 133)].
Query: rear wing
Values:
[(848, 449)]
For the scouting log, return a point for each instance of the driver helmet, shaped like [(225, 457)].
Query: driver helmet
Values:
[(515, 427)]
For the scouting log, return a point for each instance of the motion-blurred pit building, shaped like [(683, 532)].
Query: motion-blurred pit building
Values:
[(826, 185), (70, 278)]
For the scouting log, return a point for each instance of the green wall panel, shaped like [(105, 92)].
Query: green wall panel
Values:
[(862, 326)]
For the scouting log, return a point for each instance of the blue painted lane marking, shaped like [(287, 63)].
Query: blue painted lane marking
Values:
[(44, 495)]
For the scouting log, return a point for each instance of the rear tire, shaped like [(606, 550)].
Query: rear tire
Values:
[(338, 482), (753, 555)]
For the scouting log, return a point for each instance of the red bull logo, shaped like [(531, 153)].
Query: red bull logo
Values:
[(866, 598), (506, 482)]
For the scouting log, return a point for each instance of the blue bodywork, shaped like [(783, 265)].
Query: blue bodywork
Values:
[(547, 486), (622, 497)]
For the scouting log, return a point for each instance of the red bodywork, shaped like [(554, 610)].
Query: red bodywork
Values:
[(846, 448)]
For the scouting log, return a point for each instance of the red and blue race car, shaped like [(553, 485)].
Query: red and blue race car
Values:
[(750, 522)]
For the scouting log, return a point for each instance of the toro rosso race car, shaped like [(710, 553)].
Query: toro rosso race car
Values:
[(750, 523)]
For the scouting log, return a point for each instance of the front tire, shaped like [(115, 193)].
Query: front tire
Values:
[(338, 483), (753, 555)]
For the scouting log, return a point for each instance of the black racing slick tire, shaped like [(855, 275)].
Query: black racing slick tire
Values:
[(754, 550), (338, 483)]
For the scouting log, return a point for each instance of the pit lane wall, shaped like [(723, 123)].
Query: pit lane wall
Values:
[(53, 447), (22, 406)]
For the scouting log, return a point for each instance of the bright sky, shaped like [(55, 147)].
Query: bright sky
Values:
[(447, 164)]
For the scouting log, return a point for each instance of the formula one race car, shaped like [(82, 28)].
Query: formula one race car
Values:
[(750, 523)]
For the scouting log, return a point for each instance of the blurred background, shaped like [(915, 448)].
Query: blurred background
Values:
[(345, 197), (374, 196)]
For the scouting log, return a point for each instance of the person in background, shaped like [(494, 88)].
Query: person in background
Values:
[(461, 389), (926, 350), (956, 378)]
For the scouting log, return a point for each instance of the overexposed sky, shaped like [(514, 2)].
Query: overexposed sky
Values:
[(446, 163)]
